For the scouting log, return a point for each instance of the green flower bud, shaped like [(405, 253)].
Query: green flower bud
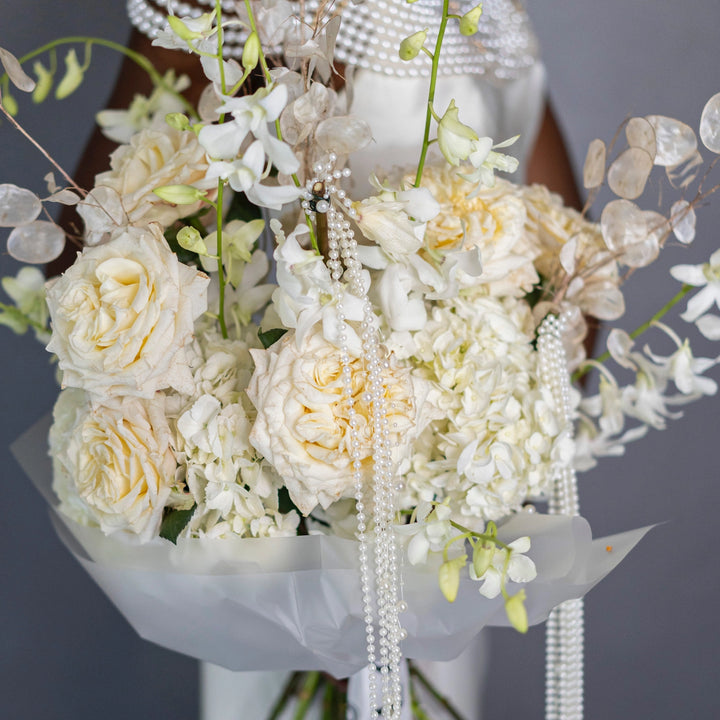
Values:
[(72, 78), (516, 612), (9, 103), (251, 51), (177, 121), (412, 45), (449, 577), (483, 554), (179, 194), (190, 239), (44, 82), (182, 30), (469, 21)]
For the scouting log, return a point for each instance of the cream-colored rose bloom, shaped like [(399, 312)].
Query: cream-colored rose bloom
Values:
[(113, 463), (154, 158), (122, 315), (302, 426), (586, 273), (492, 220)]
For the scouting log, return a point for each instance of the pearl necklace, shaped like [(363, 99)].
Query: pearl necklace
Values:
[(383, 649), (565, 626), (504, 48)]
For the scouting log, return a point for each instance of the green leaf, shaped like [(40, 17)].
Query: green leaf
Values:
[(242, 209), (174, 522), (270, 337)]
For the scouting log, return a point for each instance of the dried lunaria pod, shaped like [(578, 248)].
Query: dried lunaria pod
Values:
[(343, 135), (64, 197), (682, 174), (36, 243), (18, 206), (640, 134), (675, 141), (683, 221), (631, 234), (629, 172), (710, 124), (594, 168), (19, 78)]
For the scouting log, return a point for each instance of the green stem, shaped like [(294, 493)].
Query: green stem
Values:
[(278, 130), (415, 673), (136, 57), (221, 269), (431, 91), (287, 692), (581, 372), (489, 537), (306, 695)]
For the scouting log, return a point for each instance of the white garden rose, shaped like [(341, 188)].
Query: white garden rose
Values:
[(154, 158), (302, 426), (492, 221), (114, 466), (122, 315)]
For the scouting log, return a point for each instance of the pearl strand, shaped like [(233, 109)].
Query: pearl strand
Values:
[(565, 626), (342, 249)]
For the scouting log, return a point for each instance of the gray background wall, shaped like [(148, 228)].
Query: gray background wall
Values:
[(652, 631)]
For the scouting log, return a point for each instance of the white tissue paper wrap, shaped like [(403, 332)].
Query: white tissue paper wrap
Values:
[(295, 603)]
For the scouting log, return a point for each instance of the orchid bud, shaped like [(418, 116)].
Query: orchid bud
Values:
[(412, 45), (190, 239), (456, 140), (182, 30), (9, 103), (177, 121), (449, 577), (469, 21), (179, 194), (483, 554), (251, 51), (72, 78), (516, 612), (44, 82)]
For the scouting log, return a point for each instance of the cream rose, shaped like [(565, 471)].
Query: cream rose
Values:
[(492, 220), (302, 426), (113, 463), (122, 315), (154, 158)]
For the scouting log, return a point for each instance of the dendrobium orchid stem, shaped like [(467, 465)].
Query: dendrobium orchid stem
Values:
[(581, 372), (278, 131), (431, 92), (136, 57)]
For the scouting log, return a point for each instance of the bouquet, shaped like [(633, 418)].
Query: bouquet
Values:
[(396, 396)]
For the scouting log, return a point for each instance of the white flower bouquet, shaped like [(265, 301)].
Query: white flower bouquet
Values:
[(345, 455)]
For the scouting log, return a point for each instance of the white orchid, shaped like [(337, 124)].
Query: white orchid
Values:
[(706, 276), (520, 568)]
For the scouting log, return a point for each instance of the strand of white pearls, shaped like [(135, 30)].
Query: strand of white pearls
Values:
[(564, 649), (383, 650)]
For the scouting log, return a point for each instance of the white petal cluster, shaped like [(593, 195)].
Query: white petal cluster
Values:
[(500, 436), (236, 492)]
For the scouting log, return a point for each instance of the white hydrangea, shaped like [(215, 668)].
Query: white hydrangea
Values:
[(501, 434), (235, 490)]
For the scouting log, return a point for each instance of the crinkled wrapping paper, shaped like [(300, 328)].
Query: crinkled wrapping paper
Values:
[(295, 603)]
